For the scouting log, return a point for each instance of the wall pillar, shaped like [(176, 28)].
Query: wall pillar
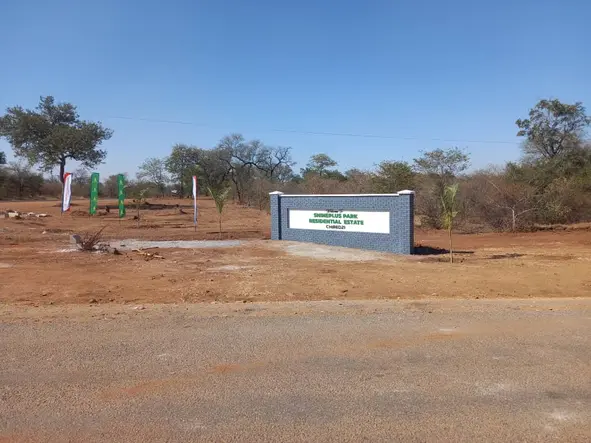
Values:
[(407, 234), (275, 198)]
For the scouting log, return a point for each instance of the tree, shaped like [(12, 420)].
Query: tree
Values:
[(140, 199), (449, 213), (212, 171), (52, 134), (437, 169), (552, 128), (182, 164), (109, 187), (220, 197), (358, 181), (249, 161), (154, 171), (444, 164), (393, 176), (81, 177), (24, 182), (513, 197), (2, 158), (319, 164)]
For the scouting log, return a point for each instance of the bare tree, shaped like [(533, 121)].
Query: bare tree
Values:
[(516, 198), (244, 160)]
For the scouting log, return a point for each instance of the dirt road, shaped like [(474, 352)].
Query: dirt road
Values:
[(429, 371)]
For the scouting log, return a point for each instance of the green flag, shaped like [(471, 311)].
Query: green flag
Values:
[(121, 194), (94, 188)]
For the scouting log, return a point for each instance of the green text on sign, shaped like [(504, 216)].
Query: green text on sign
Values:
[(344, 221)]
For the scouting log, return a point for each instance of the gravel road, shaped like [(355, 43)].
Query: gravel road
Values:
[(423, 371)]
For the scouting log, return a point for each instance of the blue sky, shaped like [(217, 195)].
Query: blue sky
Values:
[(422, 72)]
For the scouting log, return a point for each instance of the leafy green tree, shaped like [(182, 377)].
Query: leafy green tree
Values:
[(443, 164), (393, 176), (182, 164), (52, 134), (212, 171), (153, 170), (2, 158), (553, 128), (319, 164)]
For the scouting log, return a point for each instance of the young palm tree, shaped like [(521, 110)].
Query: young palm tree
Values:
[(448, 201), (220, 198)]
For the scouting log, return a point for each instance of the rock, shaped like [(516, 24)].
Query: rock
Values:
[(116, 252), (14, 215), (75, 239), (42, 215), (93, 301), (139, 308)]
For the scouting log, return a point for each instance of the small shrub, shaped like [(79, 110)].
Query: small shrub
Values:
[(91, 241)]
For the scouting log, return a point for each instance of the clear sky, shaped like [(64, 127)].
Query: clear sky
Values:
[(420, 73)]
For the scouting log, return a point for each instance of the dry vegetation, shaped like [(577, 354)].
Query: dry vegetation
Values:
[(550, 184), (34, 269)]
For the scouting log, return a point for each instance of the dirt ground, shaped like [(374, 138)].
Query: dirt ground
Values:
[(38, 268)]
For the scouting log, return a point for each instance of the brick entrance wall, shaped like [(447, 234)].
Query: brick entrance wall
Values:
[(400, 240)]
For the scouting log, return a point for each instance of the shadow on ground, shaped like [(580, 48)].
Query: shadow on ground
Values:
[(432, 250)]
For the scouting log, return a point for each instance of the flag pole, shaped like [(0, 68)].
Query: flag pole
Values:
[(195, 203), (66, 193)]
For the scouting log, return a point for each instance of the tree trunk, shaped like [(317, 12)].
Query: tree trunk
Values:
[(513, 221), (220, 222), (62, 169), (451, 250)]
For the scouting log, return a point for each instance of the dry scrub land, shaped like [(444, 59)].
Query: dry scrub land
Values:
[(37, 268)]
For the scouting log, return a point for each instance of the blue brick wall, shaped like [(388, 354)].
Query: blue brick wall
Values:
[(400, 240)]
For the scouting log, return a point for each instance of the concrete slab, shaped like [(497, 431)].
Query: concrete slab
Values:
[(127, 245)]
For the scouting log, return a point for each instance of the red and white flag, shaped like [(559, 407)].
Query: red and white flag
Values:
[(67, 192)]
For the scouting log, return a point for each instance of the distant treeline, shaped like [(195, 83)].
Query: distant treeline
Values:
[(550, 184)]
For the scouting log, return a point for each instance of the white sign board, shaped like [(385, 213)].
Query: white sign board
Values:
[(342, 221)]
